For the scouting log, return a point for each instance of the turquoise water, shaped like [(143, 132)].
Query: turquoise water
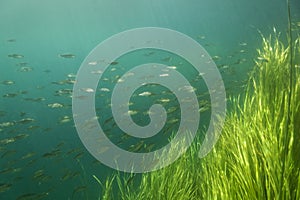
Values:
[(43, 44)]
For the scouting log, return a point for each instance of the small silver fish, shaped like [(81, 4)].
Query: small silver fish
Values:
[(10, 95), (243, 44), (144, 94), (25, 69), (4, 187), (8, 82), (25, 120), (15, 56), (88, 90), (65, 119), (55, 105), (104, 89), (67, 55)]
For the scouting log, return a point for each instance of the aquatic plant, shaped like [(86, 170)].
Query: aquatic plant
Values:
[(256, 156), (253, 160)]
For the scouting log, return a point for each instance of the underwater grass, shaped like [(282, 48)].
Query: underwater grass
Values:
[(257, 155), (252, 146)]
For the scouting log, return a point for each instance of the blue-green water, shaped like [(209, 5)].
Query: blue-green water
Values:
[(42, 157)]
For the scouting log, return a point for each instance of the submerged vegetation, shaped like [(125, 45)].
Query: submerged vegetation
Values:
[(257, 155)]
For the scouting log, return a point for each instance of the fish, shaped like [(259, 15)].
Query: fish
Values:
[(17, 56), (63, 92), (31, 162), (164, 75), (69, 175), (55, 105), (132, 112), (144, 94), (21, 136), (2, 113), (104, 89), (97, 72), (225, 66), (26, 121), (27, 196), (22, 64), (164, 100), (93, 63), (47, 129), (114, 63), (31, 196), (187, 88), (65, 119), (11, 40), (67, 55), (63, 82), (13, 139), (74, 150), (102, 149), (4, 187), (70, 81), (53, 153), (31, 128), (78, 189), (8, 153), (38, 173), (58, 82), (8, 82), (88, 90), (22, 114), (39, 87), (66, 176), (7, 141), (172, 67), (7, 170), (201, 37), (172, 121), (60, 144), (149, 53), (108, 120), (80, 97), (172, 109), (71, 75), (28, 155), (216, 57), (38, 99), (10, 170), (10, 95), (47, 71), (7, 124), (25, 69), (79, 155), (113, 69), (167, 59)]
